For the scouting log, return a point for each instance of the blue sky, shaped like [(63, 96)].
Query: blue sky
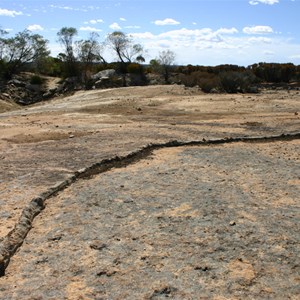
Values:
[(200, 32)]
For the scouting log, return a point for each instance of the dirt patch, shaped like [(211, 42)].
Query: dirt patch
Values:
[(43, 136), (8, 106)]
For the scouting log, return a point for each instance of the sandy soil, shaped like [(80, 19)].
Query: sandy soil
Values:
[(44, 144)]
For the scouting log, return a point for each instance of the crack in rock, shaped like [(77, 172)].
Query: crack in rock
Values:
[(15, 238)]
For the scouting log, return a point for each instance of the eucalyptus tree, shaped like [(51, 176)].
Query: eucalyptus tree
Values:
[(66, 37), (125, 50), (166, 59), (2, 43), (21, 49), (124, 47), (89, 52)]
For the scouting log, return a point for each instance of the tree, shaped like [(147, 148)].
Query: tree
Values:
[(22, 49), (140, 59), (125, 50), (274, 72), (2, 43), (89, 52), (66, 39), (155, 66), (166, 59), (124, 47)]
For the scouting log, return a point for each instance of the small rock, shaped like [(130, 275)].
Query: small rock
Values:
[(232, 223), (107, 273), (71, 136), (55, 238), (201, 268), (164, 291), (98, 245), (128, 201), (17, 82), (47, 95), (42, 260)]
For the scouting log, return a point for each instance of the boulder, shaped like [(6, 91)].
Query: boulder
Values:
[(102, 83), (104, 74), (17, 82)]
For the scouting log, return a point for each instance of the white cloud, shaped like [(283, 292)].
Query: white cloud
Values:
[(269, 53), (10, 13), (35, 27), (62, 7), (268, 2), (145, 35), (68, 8), (295, 56), (88, 28), (227, 30), (258, 30), (260, 40), (188, 36), (167, 21), (95, 21), (210, 47), (123, 19), (182, 35), (91, 7), (133, 27), (115, 26)]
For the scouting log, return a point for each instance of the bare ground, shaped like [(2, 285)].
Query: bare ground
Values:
[(203, 222)]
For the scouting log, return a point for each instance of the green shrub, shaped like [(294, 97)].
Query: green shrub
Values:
[(36, 79), (208, 84), (234, 82), (205, 80), (134, 68)]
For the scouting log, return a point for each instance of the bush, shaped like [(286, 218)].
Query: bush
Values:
[(138, 79), (36, 79), (275, 72), (2, 69), (134, 68), (206, 81), (234, 82), (208, 84)]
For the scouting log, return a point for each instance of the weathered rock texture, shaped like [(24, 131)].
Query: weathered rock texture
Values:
[(210, 221)]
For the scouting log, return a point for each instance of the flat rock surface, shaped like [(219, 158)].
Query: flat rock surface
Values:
[(200, 222), (187, 223)]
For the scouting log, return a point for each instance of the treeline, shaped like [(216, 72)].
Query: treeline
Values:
[(269, 72), (82, 58), (78, 58), (233, 78)]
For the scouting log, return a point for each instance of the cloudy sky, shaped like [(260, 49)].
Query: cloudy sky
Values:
[(202, 32)]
